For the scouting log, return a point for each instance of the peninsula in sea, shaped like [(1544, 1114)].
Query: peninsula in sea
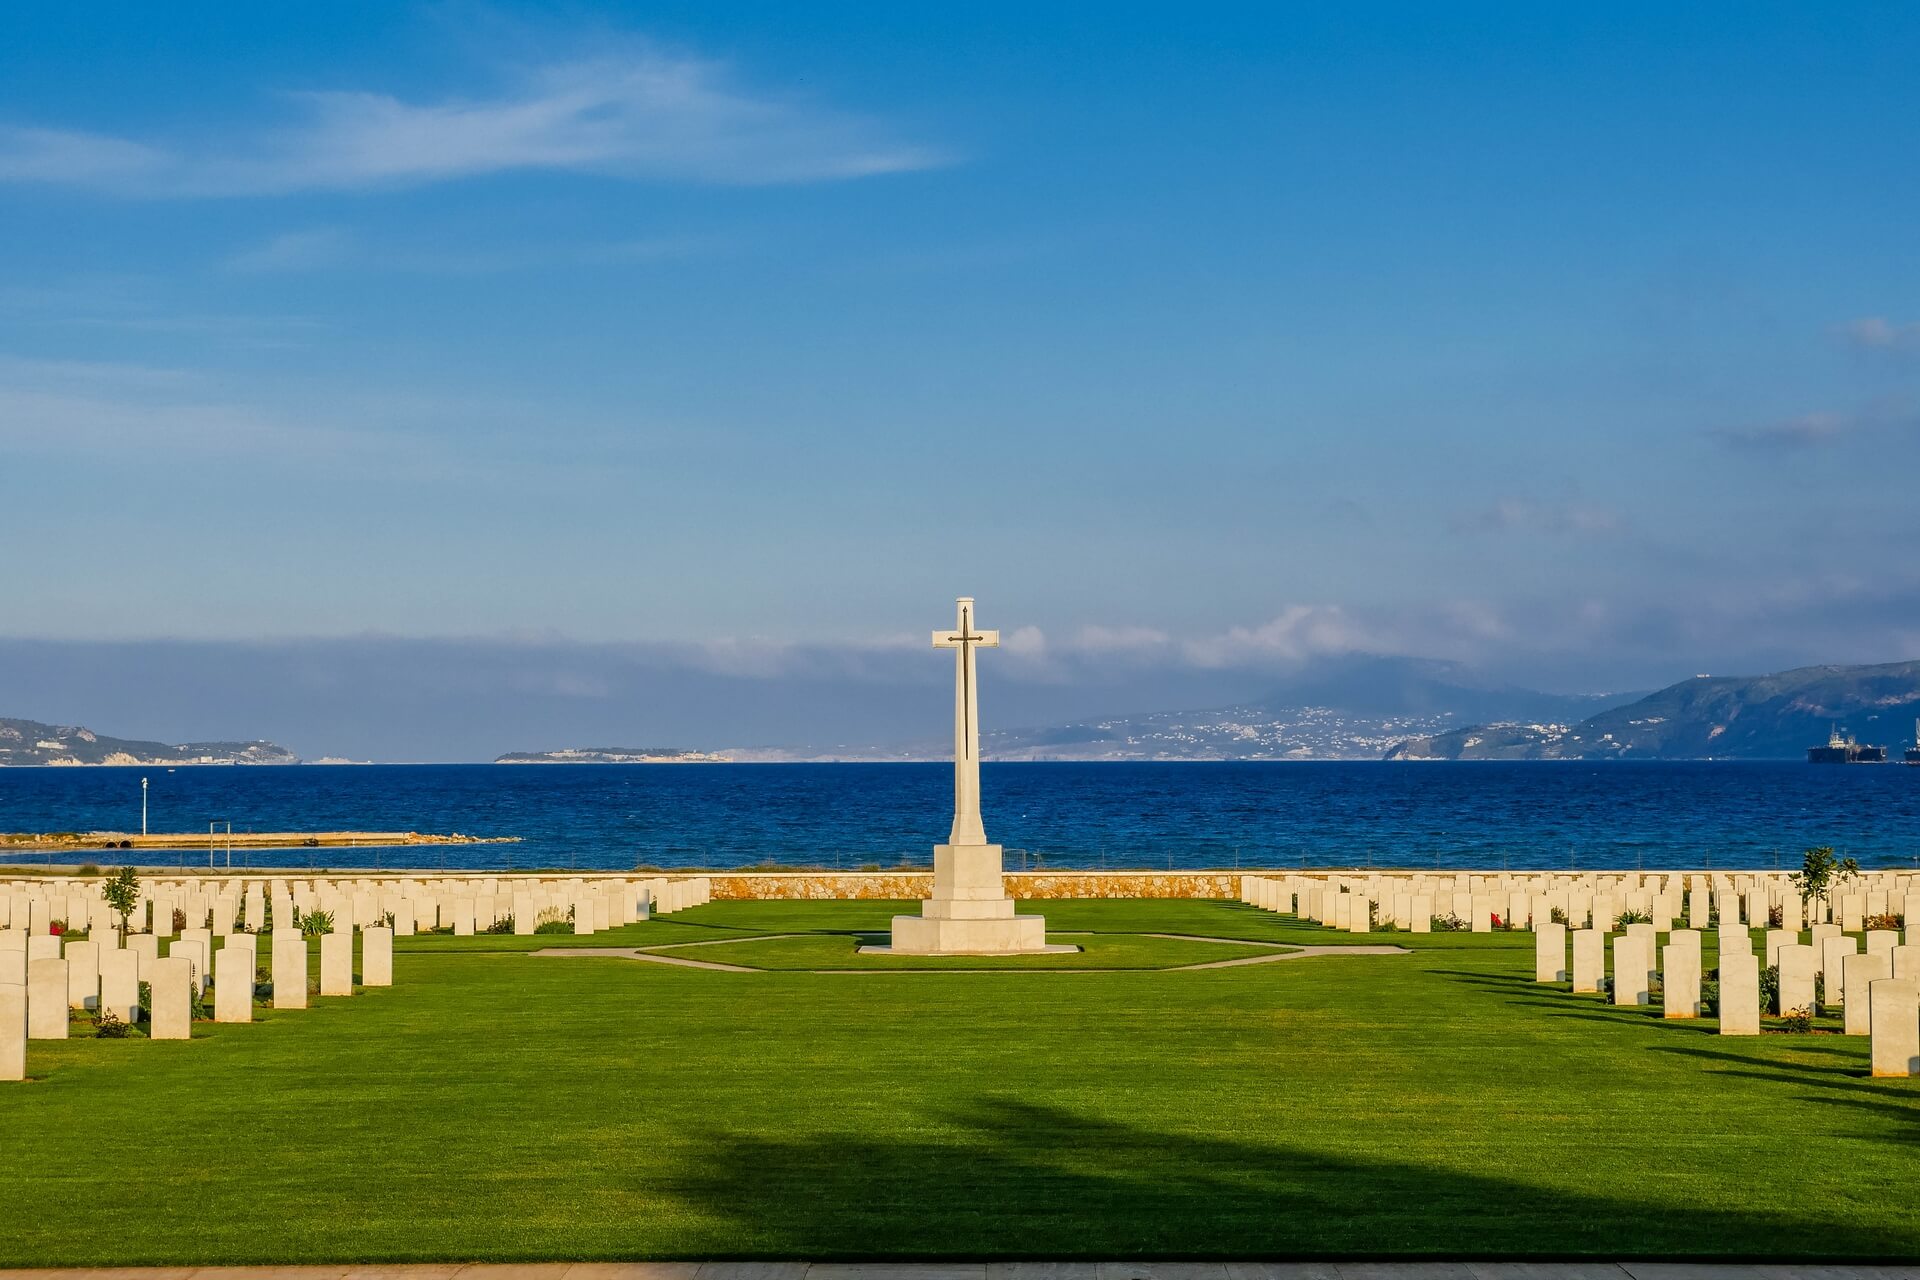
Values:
[(29, 742)]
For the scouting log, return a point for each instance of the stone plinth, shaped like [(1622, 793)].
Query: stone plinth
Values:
[(969, 913)]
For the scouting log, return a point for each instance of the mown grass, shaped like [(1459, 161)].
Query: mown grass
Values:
[(500, 1106), (841, 951)]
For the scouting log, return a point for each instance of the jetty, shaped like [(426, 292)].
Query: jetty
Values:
[(49, 841)]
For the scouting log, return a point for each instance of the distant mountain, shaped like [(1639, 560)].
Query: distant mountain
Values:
[(28, 742), (1361, 684), (1772, 717), (1348, 708)]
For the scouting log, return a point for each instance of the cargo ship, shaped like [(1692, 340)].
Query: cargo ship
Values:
[(1913, 752), (1844, 750)]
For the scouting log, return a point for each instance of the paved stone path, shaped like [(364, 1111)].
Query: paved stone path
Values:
[(1282, 951), (1000, 1271)]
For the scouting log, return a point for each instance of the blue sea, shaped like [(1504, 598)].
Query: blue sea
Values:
[(1518, 815)]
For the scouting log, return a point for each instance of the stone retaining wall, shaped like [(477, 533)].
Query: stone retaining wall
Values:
[(1032, 885)]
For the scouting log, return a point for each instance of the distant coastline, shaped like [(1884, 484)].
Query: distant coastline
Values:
[(615, 755)]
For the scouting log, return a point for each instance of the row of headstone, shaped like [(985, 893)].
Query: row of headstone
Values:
[(1485, 902), (464, 903), (43, 981), (1877, 989)]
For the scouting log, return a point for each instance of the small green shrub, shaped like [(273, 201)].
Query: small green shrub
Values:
[(315, 923), (1886, 920), (121, 892), (1625, 918), (145, 1010), (1821, 871), (1559, 916), (554, 920), (108, 1026), (1449, 923), (503, 925), (1769, 986), (1797, 1022), (1710, 995)]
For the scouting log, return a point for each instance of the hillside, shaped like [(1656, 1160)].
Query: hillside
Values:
[(28, 742), (1771, 717)]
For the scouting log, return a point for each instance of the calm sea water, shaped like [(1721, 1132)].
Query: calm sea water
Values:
[(1053, 815)]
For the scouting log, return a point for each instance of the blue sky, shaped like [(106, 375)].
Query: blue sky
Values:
[(1581, 343)]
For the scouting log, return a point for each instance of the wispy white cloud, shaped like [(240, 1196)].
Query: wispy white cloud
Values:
[(1880, 333), (329, 248), (1528, 515), (294, 251), (84, 159), (644, 114), (1296, 633), (136, 305), (1814, 430)]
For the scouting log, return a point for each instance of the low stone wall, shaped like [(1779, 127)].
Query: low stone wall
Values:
[(1033, 885)]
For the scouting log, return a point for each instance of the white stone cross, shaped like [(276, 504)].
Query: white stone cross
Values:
[(963, 640)]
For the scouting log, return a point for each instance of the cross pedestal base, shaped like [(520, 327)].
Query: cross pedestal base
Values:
[(969, 913)]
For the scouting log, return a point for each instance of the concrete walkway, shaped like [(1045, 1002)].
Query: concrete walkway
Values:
[(1282, 951), (1000, 1271)]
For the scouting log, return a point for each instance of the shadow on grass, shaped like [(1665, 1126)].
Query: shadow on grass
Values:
[(1039, 1181)]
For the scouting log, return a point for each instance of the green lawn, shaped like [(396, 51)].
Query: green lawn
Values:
[(500, 1106), (841, 951)]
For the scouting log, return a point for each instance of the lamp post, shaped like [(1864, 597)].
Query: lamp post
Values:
[(143, 806)]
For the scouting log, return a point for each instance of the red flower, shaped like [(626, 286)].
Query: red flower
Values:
[(56, 928)]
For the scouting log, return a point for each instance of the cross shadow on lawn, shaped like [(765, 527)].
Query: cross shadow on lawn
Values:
[(1012, 1178)]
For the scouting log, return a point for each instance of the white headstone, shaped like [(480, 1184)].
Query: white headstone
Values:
[(1550, 953), (47, 999), (233, 984), (289, 969), (1833, 951), (169, 983), (1680, 975), (1740, 994), (1632, 969), (1857, 972), (1895, 1027), (1798, 962), (376, 958), (1589, 959), (336, 964), (120, 983), (83, 975), (13, 1030)]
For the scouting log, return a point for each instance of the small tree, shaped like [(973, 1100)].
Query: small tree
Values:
[(1821, 871), (122, 893)]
